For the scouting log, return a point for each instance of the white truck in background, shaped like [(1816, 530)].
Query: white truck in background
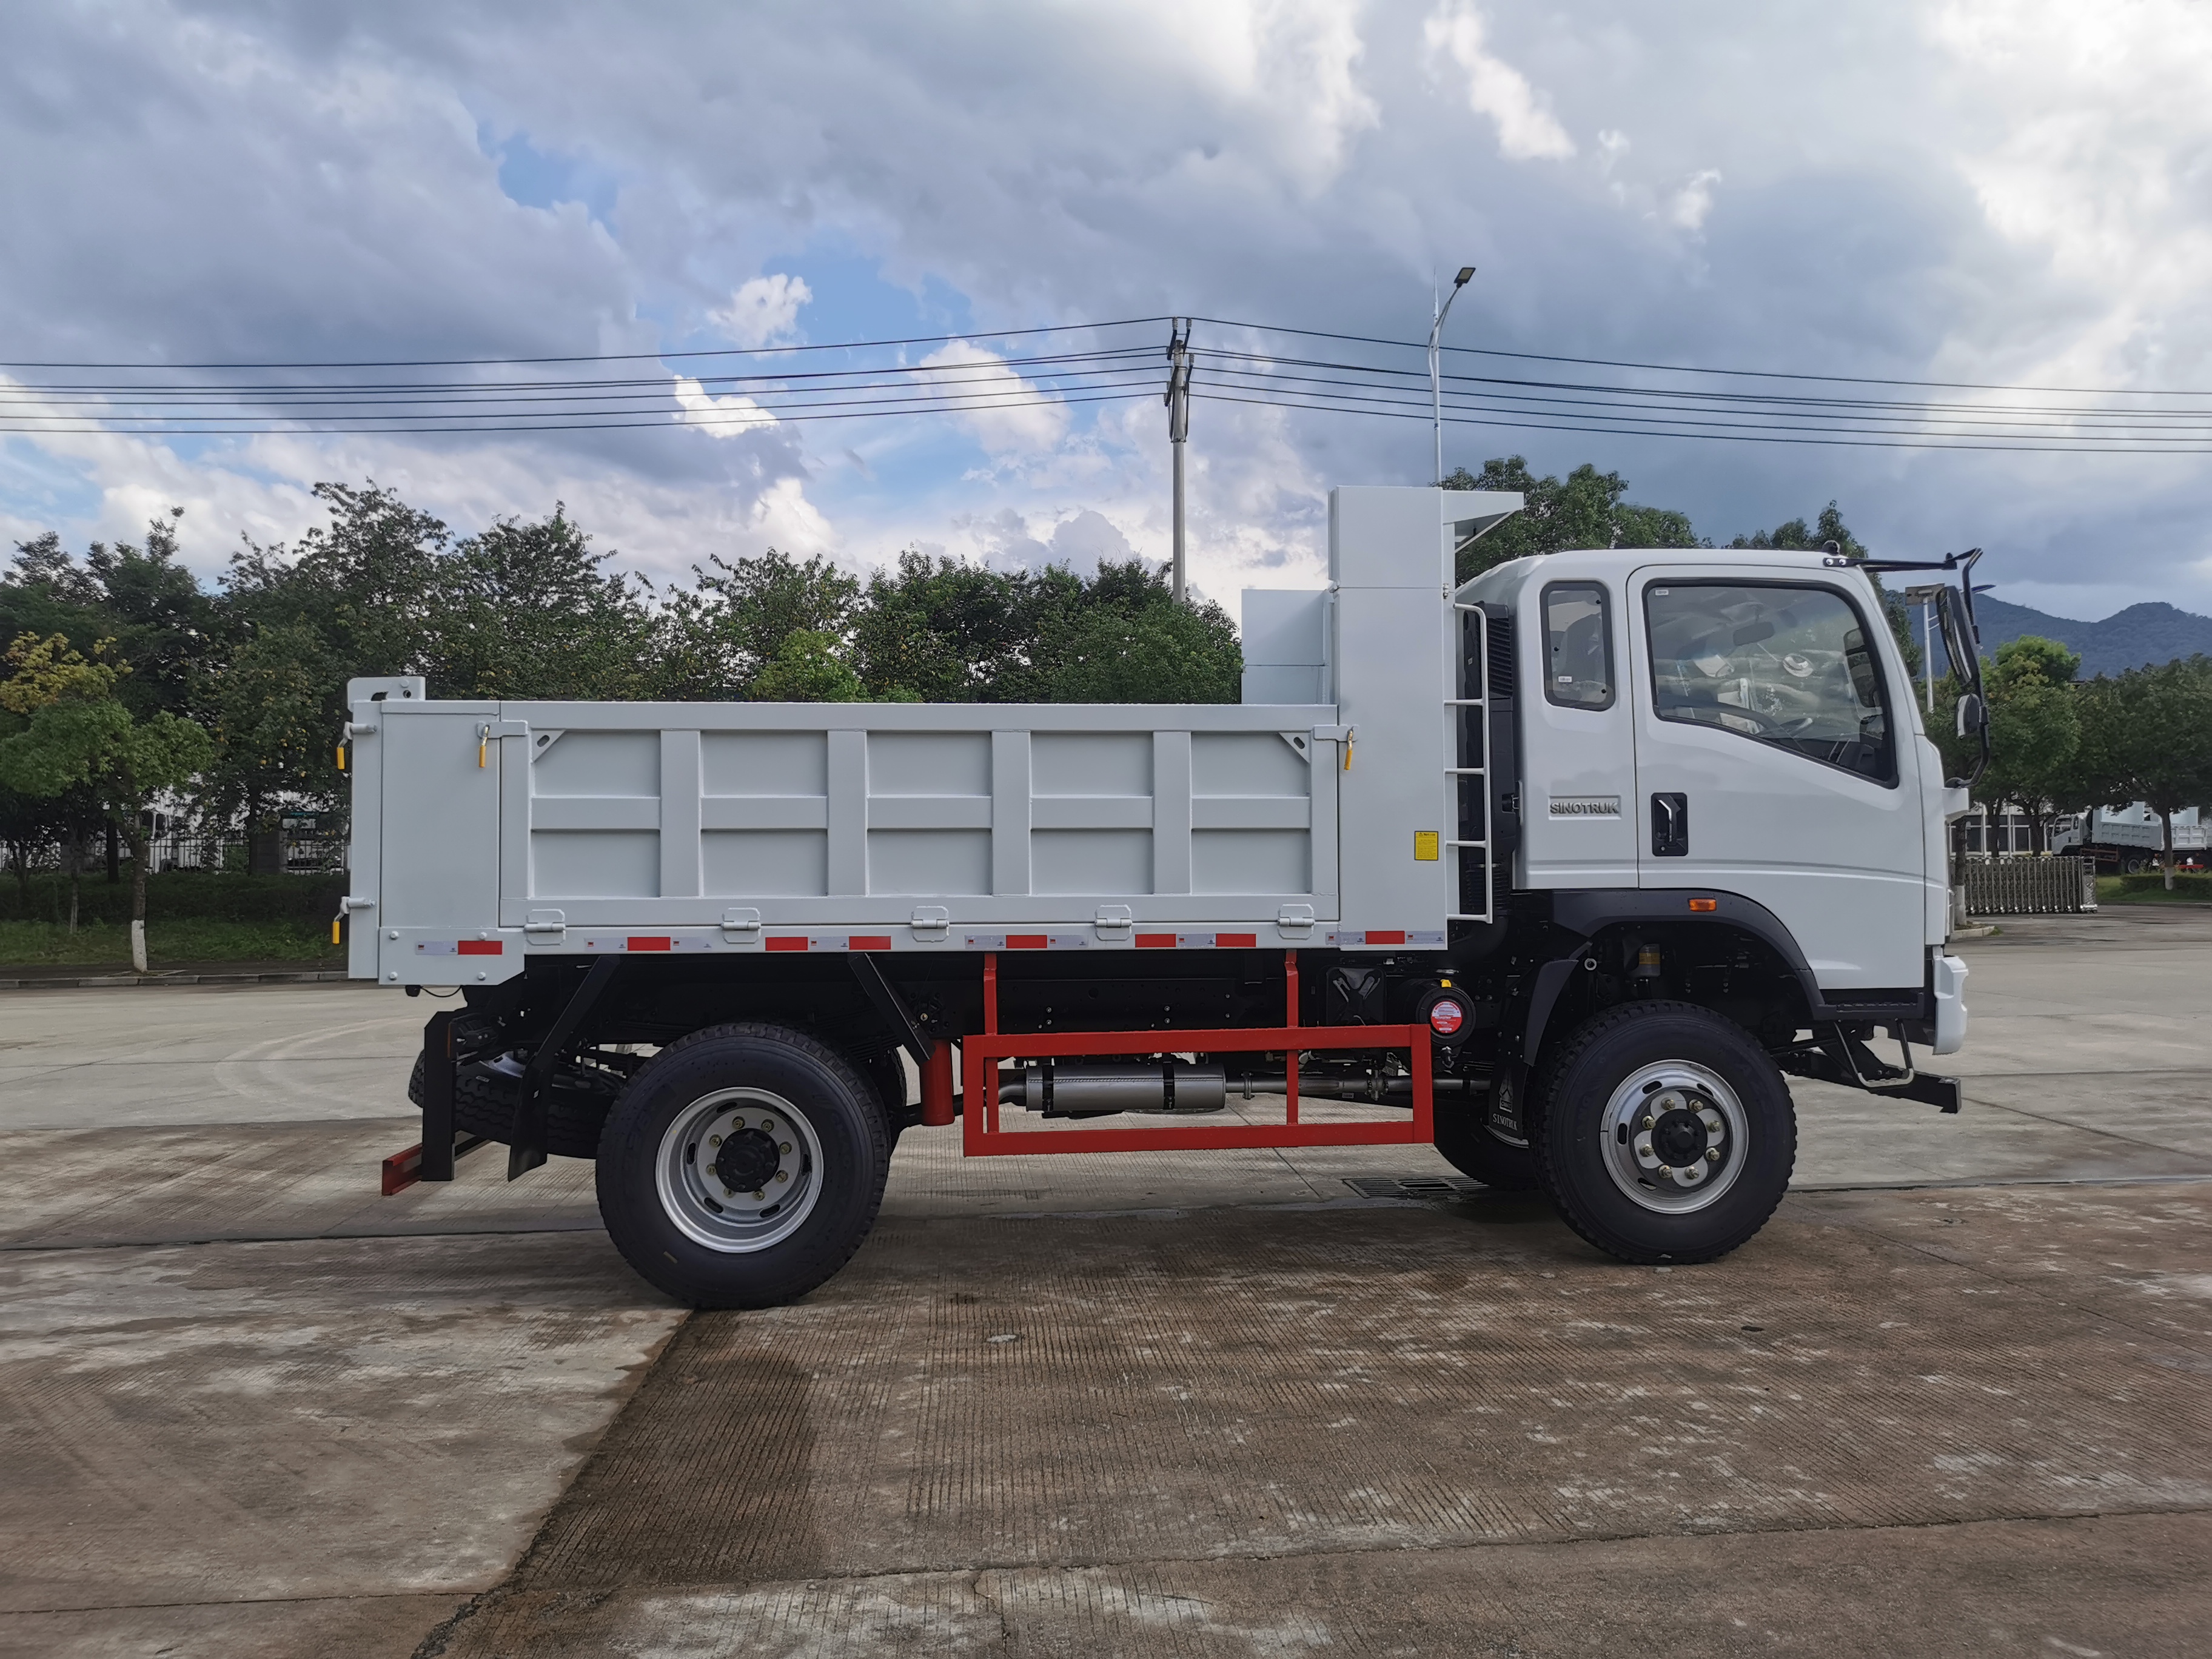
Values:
[(2132, 838), (1564, 869)]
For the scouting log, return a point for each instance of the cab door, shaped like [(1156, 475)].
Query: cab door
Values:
[(1577, 831), (1774, 758)]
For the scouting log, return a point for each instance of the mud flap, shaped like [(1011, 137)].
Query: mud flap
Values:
[(1507, 1115)]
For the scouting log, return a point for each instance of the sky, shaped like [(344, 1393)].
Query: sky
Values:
[(2005, 193)]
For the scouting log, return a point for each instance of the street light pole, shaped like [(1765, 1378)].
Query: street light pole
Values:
[(1924, 597), (1436, 364), (1178, 403)]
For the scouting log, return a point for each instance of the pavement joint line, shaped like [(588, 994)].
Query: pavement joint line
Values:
[(396, 1120), (1154, 1213), (2068, 1123), (483, 1600), (35, 1247), (1967, 1184), (266, 1059), (246, 1602), (2100, 1070), (132, 981)]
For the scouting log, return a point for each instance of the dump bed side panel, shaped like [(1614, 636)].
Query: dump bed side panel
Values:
[(718, 825), (673, 814)]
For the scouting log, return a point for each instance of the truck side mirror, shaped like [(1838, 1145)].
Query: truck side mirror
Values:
[(1974, 714)]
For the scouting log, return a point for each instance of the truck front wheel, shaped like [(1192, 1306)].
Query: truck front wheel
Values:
[(1669, 1135), (742, 1166)]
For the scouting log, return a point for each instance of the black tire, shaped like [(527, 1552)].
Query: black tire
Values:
[(1714, 1072), (888, 1078), (656, 1187), (1470, 1146), (577, 1102)]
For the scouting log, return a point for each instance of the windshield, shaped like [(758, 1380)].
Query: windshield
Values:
[(1777, 664)]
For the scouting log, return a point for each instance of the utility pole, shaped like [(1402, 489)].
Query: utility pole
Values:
[(1435, 363), (1178, 401)]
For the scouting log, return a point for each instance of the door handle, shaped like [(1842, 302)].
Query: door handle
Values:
[(1670, 826)]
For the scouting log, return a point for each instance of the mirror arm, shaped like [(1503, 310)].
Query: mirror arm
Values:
[(1981, 761), (1961, 637)]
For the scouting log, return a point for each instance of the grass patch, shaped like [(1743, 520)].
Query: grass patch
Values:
[(171, 942), (2150, 888)]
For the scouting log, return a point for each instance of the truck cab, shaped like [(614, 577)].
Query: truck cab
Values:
[(1738, 721)]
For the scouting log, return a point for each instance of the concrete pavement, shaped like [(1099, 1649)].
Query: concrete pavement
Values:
[(247, 1406)]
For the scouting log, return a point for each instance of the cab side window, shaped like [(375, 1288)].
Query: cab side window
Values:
[(1577, 646), (1777, 664)]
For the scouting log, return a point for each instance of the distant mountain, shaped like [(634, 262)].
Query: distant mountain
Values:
[(2150, 633)]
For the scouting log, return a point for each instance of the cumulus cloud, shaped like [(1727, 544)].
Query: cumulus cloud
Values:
[(1973, 191), (1527, 131), (2099, 170), (763, 311), (1080, 542), (1009, 416), (719, 417)]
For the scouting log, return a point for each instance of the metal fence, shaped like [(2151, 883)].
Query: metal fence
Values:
[(2029, 886), (286, 854)]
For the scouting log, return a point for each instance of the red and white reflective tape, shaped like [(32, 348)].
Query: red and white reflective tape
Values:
[(1409, 939), (460, 947), (641, 943), (1028, 941), (827, 942)]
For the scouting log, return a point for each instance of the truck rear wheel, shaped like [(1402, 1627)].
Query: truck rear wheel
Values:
[(1669, 1135), (742, 1166)]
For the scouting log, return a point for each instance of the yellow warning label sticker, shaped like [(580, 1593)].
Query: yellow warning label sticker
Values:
[(1425, 845)]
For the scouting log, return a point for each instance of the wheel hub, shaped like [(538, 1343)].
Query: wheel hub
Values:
[(739, 1170), (748, 1159), (1674, 1136)]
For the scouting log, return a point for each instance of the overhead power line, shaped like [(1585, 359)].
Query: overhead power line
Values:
[(620, 357), (1687, 368), (1304, 371)]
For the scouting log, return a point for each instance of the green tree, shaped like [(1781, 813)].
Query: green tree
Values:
[(270, 708), (941, 630), (1828, 527), (807, 668), (2153, 742), (1584, 509), (1122, 638), (141, 598), (2035, 729), (369, 582), (527, 609), (29, 824), (80, 734), (718, 638), (1795, 534)]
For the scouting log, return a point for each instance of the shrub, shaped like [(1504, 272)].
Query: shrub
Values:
[(2150, 881), (175, 894)]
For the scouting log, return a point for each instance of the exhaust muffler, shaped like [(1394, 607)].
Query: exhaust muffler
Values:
[(1101, 1091)]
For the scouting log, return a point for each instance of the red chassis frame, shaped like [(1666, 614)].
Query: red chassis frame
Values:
[(981, 1052)]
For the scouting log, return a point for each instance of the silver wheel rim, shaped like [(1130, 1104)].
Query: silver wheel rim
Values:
[(745, 1135), (1674, 1136)]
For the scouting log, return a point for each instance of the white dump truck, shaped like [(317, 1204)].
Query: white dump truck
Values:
[(1564, 871)]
